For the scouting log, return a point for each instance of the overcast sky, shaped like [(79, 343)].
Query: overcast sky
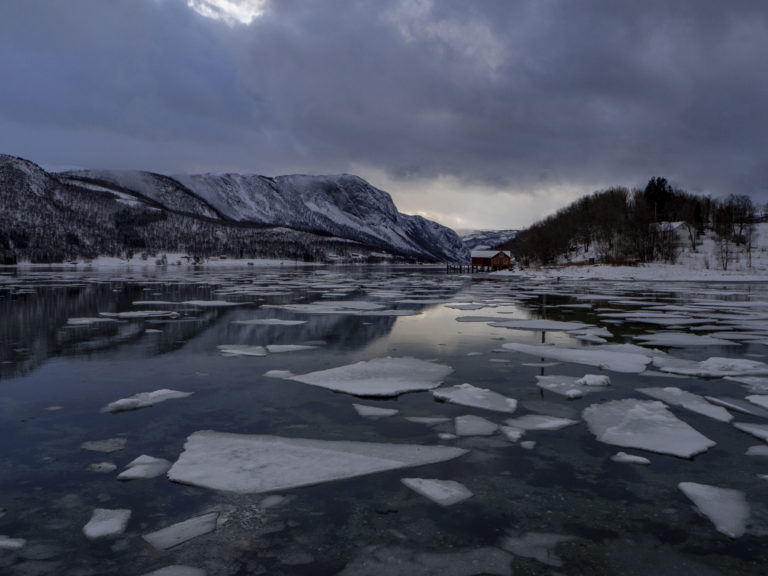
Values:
[(478, 114)]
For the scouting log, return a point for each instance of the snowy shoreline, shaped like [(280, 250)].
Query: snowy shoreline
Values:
[(645, 273)]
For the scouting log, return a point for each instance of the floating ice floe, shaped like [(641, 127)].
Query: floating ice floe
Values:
[(644, 424), (105, 523), (241, 350), (540, 422), (8, 543), (181, 532), (682, 340), (609, 357), (756, 384), (543, 325), (282, 374), (380, 377), (760, 450), (727, 509), (594, 335), (624, 458), (281, 348), (144, 467), (429, 420), (211, 303), (140, 314), (758, 400), (374, 412), (177, 570), (468, 395), (757, 430), (403, 562), (717, 366), (567, 386), (470, 425), (270, 322), (443, 492), (512, 434), (144, 400), (348, 307), (537, 545), (89, 321), (693, 402), (255, 464), (106, 446), (738, 405)]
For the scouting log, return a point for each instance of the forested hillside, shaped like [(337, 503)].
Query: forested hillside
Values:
[(619, 226)]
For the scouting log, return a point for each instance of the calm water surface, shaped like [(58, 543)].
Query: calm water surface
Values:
[(59, 367)]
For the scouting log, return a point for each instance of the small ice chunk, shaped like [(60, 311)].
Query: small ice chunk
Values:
[(757, 430), (563, 385), (537, 545), (180, 532), (144, 467), (470, 425), (140, 314), (760, 450), (380, 377), (254, 464), (624, 458), (617, 359), (210, 303), (144, 400), (644, 424), (543, 325), (177, 570), (759, 400), (8, 543), (105, 523), (513, 434), (281, 348), (528, 444), (693, 402), (241, 350), (374, 412), (428, 420), (727, 509), (468, 395), (101, 467), (594, 380), (540, 422), (443, 492), (106, 446)]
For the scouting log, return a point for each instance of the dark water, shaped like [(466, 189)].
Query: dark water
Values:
[(57, 373)]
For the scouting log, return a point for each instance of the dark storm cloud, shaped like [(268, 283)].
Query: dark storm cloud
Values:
[(508, 95)]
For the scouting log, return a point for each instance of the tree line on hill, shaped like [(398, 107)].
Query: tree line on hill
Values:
[(619, 226)]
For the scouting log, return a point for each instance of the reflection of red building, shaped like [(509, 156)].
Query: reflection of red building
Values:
[(490, 260)]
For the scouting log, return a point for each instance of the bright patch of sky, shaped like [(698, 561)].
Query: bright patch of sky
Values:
[(230, 11)]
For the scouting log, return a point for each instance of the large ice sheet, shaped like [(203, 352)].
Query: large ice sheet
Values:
[(727, 509), (607, 357), (144, 399), (255, 464), (468, 395), (644, 424), (443, 492), (380, 377), (693, 402), (180, 532)]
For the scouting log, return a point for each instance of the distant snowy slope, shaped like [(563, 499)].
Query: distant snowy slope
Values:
[(486, 239)]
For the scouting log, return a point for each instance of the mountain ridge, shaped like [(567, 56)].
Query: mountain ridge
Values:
[(325, 218)]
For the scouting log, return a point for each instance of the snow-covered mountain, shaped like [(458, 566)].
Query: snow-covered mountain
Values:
[(210, 214), (486, 239)]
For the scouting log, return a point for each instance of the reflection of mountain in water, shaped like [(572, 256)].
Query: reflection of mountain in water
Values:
[(39, 314)]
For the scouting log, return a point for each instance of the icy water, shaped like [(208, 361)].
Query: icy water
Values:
[(543, 501)]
